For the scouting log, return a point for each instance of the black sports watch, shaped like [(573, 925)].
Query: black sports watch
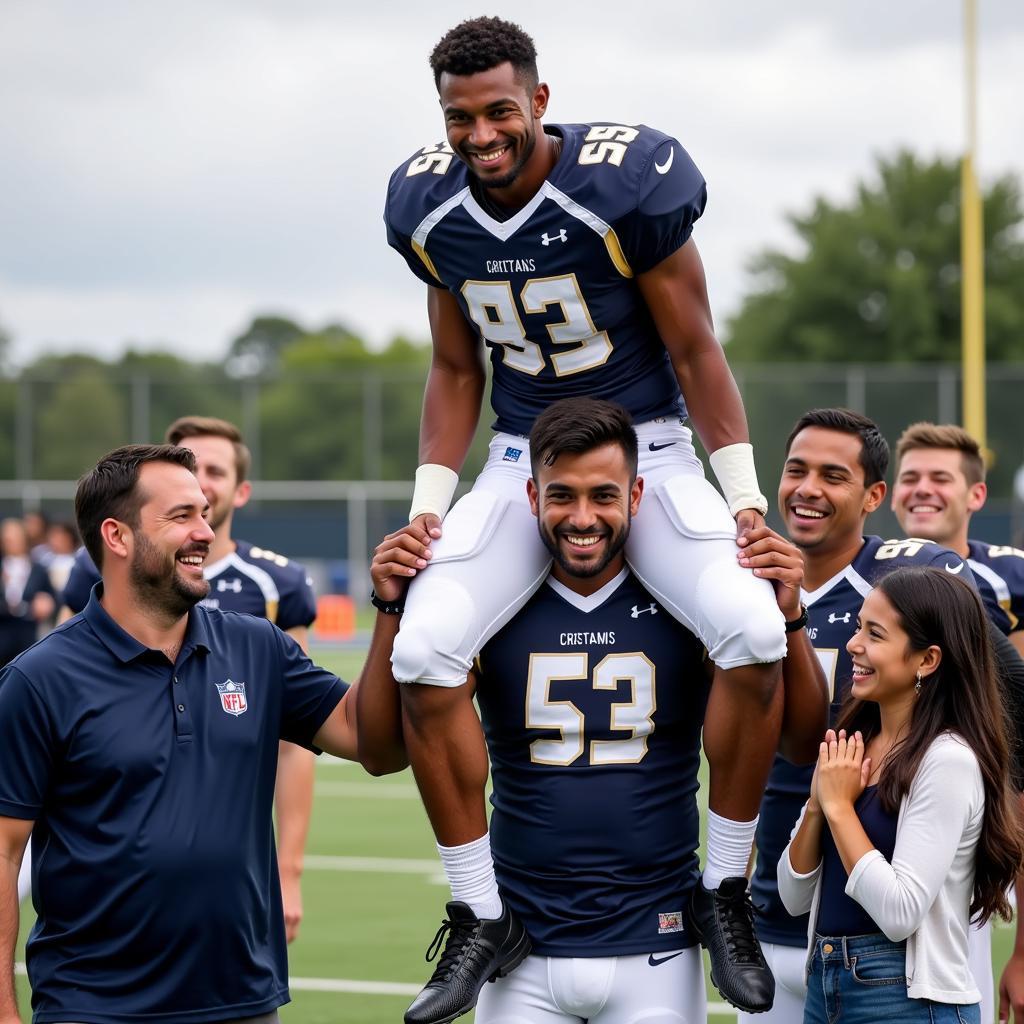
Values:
[(792, 625), (387, 607)]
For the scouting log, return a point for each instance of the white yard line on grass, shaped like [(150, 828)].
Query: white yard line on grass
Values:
[(386, 865), (382, 988)]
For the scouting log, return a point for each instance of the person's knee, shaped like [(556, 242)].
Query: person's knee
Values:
[(743, 621), (435, 643)]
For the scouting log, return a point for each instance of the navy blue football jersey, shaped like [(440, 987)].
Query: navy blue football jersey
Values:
[(999, 572), (250, 580), (552, 290), (592, 708), (832, 612)]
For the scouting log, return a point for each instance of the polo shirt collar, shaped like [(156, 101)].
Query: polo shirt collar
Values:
[(125, 647)]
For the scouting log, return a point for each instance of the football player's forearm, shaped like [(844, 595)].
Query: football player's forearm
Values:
[(379, 704), (713, 401), (451, 410), (805, 716)]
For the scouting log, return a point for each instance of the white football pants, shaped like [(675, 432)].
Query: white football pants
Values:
[(599, 990), (491, 559)]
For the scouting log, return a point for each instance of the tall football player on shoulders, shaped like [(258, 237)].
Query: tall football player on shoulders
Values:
[(566, 250)]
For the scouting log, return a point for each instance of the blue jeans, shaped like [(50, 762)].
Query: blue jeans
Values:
[(861, 979)]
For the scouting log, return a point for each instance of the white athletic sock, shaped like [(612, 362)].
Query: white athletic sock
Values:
[(729, 846), (470, 872)]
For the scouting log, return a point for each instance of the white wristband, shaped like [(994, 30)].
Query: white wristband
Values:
[(433, 492), (734, 467)]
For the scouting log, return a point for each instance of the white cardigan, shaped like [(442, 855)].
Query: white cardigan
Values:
[(924, 895)]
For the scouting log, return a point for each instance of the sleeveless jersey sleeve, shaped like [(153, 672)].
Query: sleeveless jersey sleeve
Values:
[(671, 197)]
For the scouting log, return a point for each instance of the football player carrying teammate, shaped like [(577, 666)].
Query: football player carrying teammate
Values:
[(567, 251), (592, 700)]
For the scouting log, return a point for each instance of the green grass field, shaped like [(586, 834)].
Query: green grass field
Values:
[(374, 896)]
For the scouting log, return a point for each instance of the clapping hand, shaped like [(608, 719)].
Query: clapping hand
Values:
[(842, 773)]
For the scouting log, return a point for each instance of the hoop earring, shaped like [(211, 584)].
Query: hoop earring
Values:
[(917, 685)]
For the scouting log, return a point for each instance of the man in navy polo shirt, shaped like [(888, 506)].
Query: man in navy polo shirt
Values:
[(139, 744)]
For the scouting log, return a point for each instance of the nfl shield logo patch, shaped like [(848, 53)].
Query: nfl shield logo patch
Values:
[(232, 697)]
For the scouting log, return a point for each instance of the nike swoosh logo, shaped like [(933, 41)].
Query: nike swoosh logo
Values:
[(952, 571), (663, 168), (657, 962), (657, 447)]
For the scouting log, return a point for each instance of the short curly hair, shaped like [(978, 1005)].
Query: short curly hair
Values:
[(480, 44)]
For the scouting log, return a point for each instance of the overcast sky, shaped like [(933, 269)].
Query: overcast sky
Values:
[(169, 170)]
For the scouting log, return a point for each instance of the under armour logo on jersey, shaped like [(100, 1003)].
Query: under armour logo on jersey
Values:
[(546, 239), (234, 585), (638, 611), (832, 617)]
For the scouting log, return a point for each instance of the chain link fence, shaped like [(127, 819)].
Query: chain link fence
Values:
[(334, 452)]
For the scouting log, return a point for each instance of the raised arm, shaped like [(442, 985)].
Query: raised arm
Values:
[(367, 724), (805, 716), (676, 294)]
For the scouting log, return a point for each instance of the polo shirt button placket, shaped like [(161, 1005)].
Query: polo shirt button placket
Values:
[(182, 720)]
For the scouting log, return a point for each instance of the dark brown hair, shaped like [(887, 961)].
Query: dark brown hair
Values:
[(110, 490), (961, 696), (209, 426), (579, 425)]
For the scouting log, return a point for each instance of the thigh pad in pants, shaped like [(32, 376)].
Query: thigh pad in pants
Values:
[(683, 549), (486, 565)]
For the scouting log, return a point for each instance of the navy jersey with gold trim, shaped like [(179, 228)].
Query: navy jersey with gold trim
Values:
[(251, 580), (552, 289), (999, 572), (592, 708), (832, 612)]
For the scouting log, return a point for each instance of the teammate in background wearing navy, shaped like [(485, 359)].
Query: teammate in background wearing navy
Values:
[(832, 480), (939, 485), (244, 578), (592, 700), (139, 743), (567, 251)]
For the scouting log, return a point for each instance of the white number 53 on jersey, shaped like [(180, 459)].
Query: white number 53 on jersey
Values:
[(634, 717)]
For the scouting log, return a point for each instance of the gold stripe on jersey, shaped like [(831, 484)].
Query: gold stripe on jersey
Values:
[(427, 261)]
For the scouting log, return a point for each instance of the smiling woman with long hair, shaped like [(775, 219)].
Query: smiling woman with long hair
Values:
[(909, 831)]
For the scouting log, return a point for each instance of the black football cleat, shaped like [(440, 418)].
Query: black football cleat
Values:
[(723, 920), (477, 950)]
